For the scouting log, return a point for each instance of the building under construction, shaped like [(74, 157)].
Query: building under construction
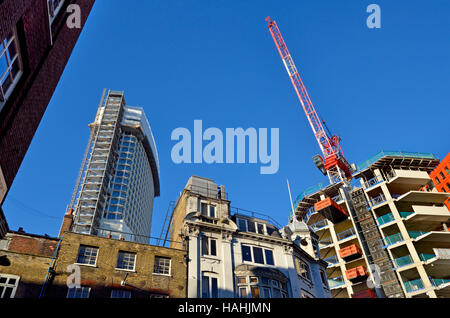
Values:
[(387, 236)]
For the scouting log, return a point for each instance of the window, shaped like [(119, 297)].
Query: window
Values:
[(82, 292), (8, 285), (126, 261), (243, 292), (10, 66), (212, 211), (54, 6), (209, 246), (251, 226), (159, 296), (203, 208), (209, 287), (246, 253), (242, 224), (447, 170), (269, 257), (162, 265), (120, 293), (255, 291), (257, 255), (324, 278), (260, 228), (437, 180), (442, 175), (302, 269), (261, 287), (87, 255)]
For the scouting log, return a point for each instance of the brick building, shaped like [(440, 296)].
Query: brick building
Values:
[(34, 266), (35, 45), (24, 261)]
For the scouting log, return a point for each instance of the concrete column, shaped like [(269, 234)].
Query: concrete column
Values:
[(194, 274), (226, 285)]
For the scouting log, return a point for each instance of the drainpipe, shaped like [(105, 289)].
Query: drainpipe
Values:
[(49, 268)]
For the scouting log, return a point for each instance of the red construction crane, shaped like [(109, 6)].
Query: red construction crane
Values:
[(335, 164)]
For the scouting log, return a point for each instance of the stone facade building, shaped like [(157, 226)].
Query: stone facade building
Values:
[(236, 253)]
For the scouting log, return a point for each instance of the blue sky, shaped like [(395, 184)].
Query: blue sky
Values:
[(216, 61)]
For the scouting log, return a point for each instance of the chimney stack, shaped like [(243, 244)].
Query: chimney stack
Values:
[(67, 222)]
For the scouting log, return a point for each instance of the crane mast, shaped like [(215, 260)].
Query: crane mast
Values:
[(334, 163)]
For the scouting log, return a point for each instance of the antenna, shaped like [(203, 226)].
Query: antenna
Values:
[(290, 197)]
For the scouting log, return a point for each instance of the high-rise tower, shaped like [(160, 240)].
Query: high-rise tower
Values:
[(119, 177)]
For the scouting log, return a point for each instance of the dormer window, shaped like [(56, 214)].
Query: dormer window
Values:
[(208, 210), (245, 225)]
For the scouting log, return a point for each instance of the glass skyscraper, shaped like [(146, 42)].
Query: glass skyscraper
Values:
[(119, 178)]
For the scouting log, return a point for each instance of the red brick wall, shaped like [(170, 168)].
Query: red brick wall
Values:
[(32, 245), (44, 65)]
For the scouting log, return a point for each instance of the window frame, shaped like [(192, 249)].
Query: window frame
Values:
[(52, 10), (4, 53), (209, 277), (209, 243), (126, 269), (260, 286), (255, 225), (159, 266), (302, 268), (87, 264), (6, 285), (252, 254), (82, 288), (120, 291)]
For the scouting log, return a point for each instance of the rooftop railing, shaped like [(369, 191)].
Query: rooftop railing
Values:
[(256, 215), (212, 192), (307, 192)]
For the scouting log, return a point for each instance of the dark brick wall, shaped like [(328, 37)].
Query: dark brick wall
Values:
[(29, 257), (43, 67), (32, 245)]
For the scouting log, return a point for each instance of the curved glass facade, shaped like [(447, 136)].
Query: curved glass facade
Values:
[(121, 174)]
